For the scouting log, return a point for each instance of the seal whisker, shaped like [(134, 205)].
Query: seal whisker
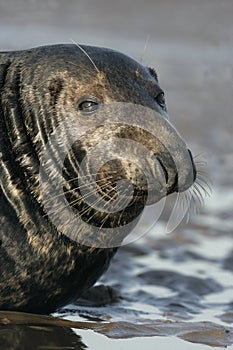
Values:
[(86, 211), (122, 212), (107, 216), (90, 193), (87, 176), (204, 186), (200, 163), (58, 209), (198, 194), (87, 55), (202, 174), (77, 200), (194, 196), (195, 156), (95, 213), (145, 48), (121, 215), (80, 187), (98, 201), (190, 201), (205, 181)]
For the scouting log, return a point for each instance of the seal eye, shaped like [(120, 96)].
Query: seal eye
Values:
[(88, 105), (160, 99)]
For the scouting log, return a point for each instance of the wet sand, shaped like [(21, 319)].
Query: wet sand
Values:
[(165, 281)]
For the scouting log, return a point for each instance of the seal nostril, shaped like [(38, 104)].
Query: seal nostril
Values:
[(174, 187), (163, 167), (194, 166)]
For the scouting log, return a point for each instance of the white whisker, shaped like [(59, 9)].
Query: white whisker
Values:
[(86, 54)]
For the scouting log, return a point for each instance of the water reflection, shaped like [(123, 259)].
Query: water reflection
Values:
[(20, 331), (23, 337)]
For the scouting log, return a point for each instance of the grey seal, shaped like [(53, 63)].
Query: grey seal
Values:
[(41, 267)]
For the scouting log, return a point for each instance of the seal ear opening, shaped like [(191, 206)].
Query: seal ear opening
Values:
[(55, 88)]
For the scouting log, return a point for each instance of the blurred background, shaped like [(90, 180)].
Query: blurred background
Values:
[(190, 44)]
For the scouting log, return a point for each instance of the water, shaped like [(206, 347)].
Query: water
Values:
[(173, 291)]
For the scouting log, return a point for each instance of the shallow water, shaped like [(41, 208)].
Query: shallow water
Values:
[(172, 291)]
